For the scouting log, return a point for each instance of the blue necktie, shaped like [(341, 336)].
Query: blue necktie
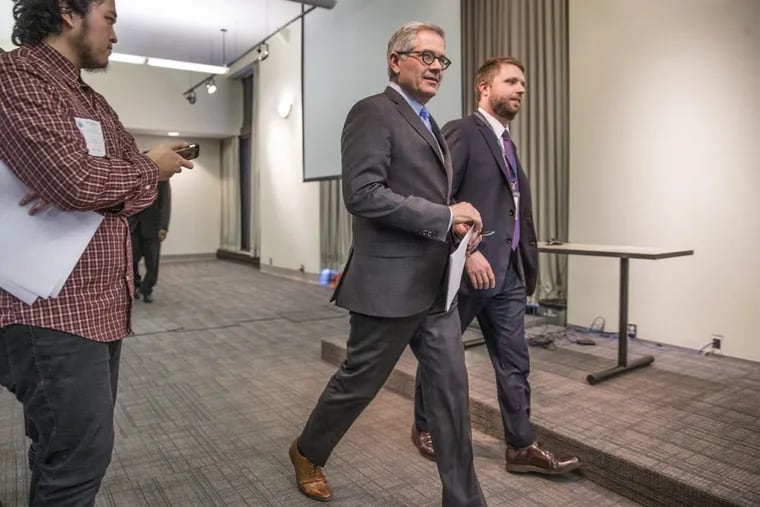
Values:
[(509, 153), (425, 115)]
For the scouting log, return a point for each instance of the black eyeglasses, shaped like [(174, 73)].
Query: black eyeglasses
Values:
[(428, 57)]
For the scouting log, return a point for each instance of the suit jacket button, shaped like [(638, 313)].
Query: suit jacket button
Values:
[(511, 212), (509, 240)]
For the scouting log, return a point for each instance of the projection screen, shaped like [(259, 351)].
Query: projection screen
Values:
[(343, 59)]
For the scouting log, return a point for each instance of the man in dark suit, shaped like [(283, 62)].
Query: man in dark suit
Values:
[(148, 229), (503, 270), (397, 183)]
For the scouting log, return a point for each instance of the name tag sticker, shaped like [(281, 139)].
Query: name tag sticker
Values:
[(93, 136)]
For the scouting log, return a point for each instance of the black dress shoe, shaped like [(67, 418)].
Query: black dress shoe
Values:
[(137, 293), (535, 459), (147, 298), (423, 442)]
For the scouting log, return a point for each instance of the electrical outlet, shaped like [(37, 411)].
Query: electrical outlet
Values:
[(632, 330), (717, 341)]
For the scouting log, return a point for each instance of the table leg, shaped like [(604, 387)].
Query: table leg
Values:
[(623, 320), (623, 364)]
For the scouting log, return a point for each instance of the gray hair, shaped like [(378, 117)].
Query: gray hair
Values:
[(405, 37)]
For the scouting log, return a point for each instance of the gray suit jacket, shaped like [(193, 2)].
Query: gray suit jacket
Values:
[(396, 184), (480, 178)]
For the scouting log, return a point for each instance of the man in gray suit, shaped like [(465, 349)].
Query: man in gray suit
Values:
[(397, 184), (503, 270)]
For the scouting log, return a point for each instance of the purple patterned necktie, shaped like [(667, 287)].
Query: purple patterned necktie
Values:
[(509, 153)]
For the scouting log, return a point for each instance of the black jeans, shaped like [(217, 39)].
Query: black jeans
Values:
[(67, 385)]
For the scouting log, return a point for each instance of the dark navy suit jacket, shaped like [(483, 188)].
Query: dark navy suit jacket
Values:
[(480, 178)]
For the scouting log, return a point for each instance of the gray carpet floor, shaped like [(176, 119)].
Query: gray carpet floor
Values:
[(220, 377), (683, 431), (692, 419)]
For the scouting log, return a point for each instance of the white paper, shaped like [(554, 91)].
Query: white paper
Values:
[(19, 292), (93, 136), (39, 252), (456, 267)]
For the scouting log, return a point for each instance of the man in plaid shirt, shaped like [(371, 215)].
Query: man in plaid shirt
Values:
[(60, 357)]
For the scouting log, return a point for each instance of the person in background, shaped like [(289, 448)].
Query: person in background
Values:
[(60, 356), (148, 229), (503, 270), (396, 184)]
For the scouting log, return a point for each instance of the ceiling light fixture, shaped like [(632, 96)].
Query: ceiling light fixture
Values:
[(285, 106), (262, 48), (168, 64), (192, 67), (208, 81), (124, 58), (263, 52), (325, 4)]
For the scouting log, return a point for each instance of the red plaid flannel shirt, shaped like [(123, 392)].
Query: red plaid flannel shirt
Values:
[(40, 95)]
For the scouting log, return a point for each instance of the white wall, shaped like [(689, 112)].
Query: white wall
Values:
[(149, 103), (149, 100), (195, 225), (664, 109), (288, 208)]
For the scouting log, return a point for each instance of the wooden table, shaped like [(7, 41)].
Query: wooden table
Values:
[(624, 253)]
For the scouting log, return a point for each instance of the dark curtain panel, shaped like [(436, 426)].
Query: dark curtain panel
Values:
[(536, 33)]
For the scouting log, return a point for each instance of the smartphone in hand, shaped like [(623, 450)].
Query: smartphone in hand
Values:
[(190, 151)]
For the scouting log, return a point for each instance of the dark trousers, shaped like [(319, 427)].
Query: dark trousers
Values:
[(374, 346), (150, 250), (502, 320), (67, 385)]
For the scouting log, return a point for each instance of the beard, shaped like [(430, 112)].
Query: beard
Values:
[(85, 51), (502, 108)]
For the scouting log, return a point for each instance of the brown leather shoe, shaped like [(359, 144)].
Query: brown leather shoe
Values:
[(311, 481), (535, 459), (423, 442)]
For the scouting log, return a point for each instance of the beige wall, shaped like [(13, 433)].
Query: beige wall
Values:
[(194, 227), (663, 119), (288, 208), (149, 100)]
